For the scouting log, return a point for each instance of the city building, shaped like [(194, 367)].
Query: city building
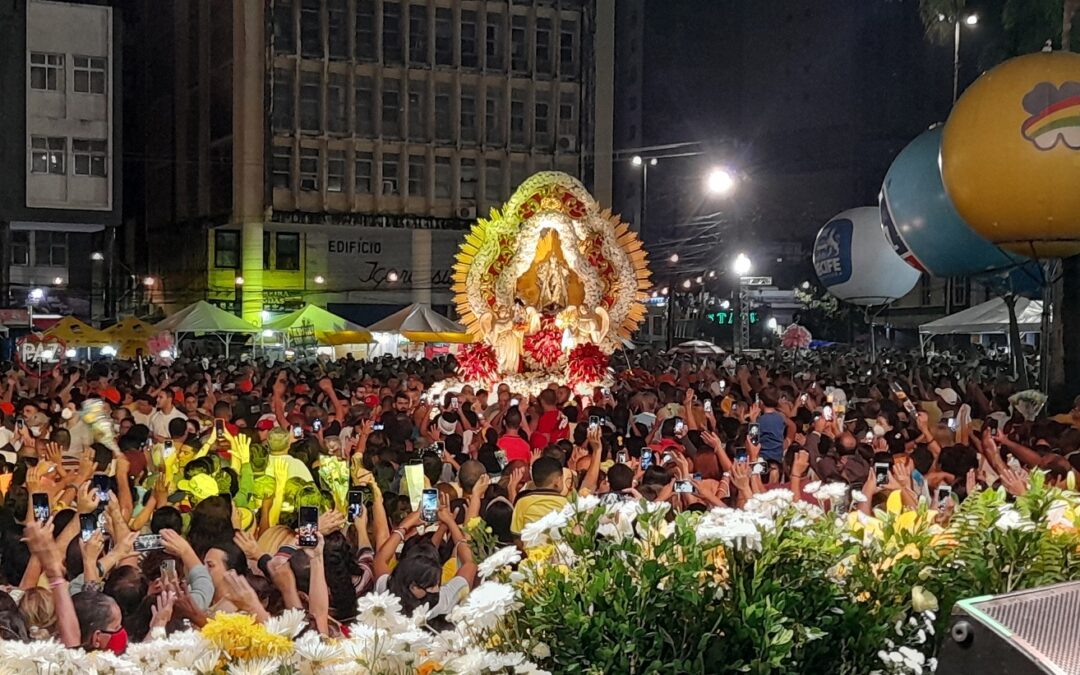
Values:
[(333, 151), (60, 154)]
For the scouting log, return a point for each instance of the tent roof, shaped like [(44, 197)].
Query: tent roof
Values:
[(420, 323), (75, 333), (328, 327), (202, 317), (991, 316), (131, 328)]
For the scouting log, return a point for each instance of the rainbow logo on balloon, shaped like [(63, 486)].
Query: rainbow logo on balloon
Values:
[(1055, 115)]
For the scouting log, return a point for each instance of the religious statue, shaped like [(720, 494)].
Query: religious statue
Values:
[(551, 278), (505, 336), (583, 324)]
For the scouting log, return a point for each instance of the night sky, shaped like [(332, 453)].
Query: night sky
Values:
[(811, 100)]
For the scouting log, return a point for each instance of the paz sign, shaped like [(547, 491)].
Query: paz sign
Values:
[(39, 354)]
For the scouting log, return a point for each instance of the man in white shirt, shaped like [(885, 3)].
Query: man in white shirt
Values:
[(143, 409), (160, 418)]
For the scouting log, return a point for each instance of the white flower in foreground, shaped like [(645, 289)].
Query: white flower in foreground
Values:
[(311, 647), (41, 651), (833, 492), (287, 624), (540, 650), (379, 609), (484, 606), (1011, 519), (812, 488), (267, 666), (547, 528), (182, 671), (107, 662), (586, 504), (504, 557)]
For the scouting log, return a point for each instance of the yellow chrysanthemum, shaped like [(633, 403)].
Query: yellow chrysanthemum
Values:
[(428, 667), (241, 637)]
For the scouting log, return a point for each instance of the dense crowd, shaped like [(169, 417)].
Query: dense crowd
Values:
[(254, 487)]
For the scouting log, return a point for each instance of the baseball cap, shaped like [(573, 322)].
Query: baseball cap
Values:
[(265, 423), (199, 487), (371, 401), (112, 395), (245, 386)]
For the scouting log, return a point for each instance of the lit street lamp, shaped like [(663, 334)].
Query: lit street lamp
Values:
[(742, 265), (719, 181), (971, 20), (741, 339)]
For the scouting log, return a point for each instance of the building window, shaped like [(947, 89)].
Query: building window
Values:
[(418, 37), (567, 114), (443, 120), (310, 102), (281, 167), (20, 247), (47, 154), (444, 177), (365, 30), (470, 54), (657, 326), (517, 171), (519, 45), (924, 290), (390, 184), (492, 117), (417, 110), (517, 117), (46, 72), (444, 36), (542, 124), (364, 111), (468, 179), (50, 249), (309, 169), (391, 33), (227, 249), (365, 163), (468, 114), (493, 46), (335, 171), (284, 30), (417, 164), (568, 48), (544, 61), (90, 74), (336, 108), (960, 291), (286, 250), (311, 29), (492, 181), (338, 29), (91, 157), (282, 113), (391, 109)]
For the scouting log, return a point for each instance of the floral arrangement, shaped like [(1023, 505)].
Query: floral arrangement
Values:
[(543, 350), (779, 586), (795, 337), (477, 362), (587, 363), (1028, 403)]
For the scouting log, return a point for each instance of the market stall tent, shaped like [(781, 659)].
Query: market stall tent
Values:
[(420, 323), (329, 328), (76, 335), (991, 316), (129, 335), (202, 318)]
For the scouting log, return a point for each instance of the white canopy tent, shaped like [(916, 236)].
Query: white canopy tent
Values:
[(417, 323), (991, 316), (202, 317)]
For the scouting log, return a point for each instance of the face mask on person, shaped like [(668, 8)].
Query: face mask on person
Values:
[(118, 641), (35, 431)]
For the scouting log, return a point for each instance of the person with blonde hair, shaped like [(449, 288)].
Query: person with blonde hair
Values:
[(37, 608)]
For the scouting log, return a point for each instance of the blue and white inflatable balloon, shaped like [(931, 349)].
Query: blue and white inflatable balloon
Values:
[(854, 260)]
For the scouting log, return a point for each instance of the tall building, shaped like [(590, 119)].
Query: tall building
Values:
[(60, 150), (332, 151)]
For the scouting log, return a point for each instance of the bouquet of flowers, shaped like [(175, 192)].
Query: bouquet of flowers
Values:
[(795, 337), (587, 364), (543, 350), (477, 363)]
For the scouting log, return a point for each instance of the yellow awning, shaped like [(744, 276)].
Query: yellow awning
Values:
[(344, 337), (131, 329), (76, 334), (421, 336)]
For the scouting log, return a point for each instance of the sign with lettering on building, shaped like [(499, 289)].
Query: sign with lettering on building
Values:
[(375, 258)]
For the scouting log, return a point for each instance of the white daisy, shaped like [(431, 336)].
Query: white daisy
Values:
[(484, 606), (265, 666), (379, 609), (311, 647), (288, 624), (504, 557)]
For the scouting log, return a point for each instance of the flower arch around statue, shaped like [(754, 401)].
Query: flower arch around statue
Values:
[(549, 285)]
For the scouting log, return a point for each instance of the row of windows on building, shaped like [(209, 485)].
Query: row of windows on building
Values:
[(39, 248), (392, 175), (281, 250), (48, 72), (422, 111), (49, 155), (411, 33)]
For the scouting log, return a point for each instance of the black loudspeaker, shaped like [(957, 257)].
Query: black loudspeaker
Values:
[(1035, 631)]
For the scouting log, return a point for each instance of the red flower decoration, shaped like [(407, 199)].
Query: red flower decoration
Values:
[(477, 362), (544, 347), (795, 337), (587, 364)]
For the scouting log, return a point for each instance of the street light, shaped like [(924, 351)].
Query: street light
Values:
[(742, 265), (97, 256), (392, 277), (686, 284), (37, 295), (971, 20), (239, 281), (57, 281), (148, 282), (636, 161), (639, 163), (319, 279), (720, 181), (674, 258)]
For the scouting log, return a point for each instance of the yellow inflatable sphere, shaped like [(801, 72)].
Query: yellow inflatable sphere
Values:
[(1010, 155)]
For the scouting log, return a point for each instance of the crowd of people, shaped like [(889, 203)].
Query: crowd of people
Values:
[(250, 486)]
